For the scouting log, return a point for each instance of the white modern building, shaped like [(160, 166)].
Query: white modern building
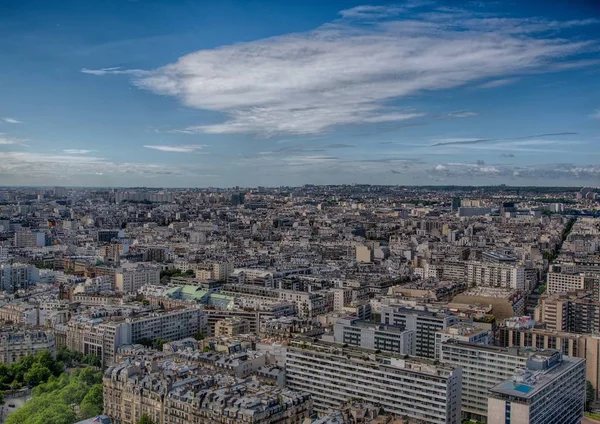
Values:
[(334, 375), (483, 367), (487, 274), (425, 324), (551, 389), (17, 276), (463, 332), (558, 282), (369, 335), (130, 280)]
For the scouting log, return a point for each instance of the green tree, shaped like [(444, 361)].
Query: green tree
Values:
[(90, 376), (159, 343), (590, 394), (92, 360), (37, 374), (92, 403), (45, 358), (144, 419), (199, 336), (206, 349)]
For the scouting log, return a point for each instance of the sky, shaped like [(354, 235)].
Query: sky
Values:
[(224, 93)]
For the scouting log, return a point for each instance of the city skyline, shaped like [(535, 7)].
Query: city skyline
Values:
[(177, 94)]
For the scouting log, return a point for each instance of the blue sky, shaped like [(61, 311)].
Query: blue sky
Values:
[(198, 93)]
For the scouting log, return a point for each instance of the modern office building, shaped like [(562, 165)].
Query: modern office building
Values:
[(551, 389), (334, 374), (424, 323), (369, 335)]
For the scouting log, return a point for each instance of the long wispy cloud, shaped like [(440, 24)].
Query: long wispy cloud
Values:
[(10, 120), (188, 148), (5, 140), (347, 72), (463, 141), (78, 151)]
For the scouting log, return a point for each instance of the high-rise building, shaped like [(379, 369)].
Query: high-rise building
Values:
[(424, 323), (334, 374), (551, 389)]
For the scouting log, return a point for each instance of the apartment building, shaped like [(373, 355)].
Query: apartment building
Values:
[(102, 338), (486, 274), (551, 389), (483, 367), (521, 331), (308, 304), (17, 276), (175, 393), (333, 374), (16, 344), (424, 323), (368, 335), (231, 327), (559, 282), (221, 270), (573, 312), (462, 332), (130, 280)]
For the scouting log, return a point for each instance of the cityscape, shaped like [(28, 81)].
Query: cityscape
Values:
[(311, 304), (315, 212)]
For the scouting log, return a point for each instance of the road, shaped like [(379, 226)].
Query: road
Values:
[(6, 410)]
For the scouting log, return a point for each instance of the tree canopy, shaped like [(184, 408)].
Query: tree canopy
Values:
[(30, 370), (53, 401)]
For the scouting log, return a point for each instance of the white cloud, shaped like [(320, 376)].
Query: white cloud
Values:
[(8, 140), (462, 114), (498, 83), (78, 151), (115, 71), (347, 72), (596, 114), (190, 148), (11, 120), (364, 12), (42, 165)]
